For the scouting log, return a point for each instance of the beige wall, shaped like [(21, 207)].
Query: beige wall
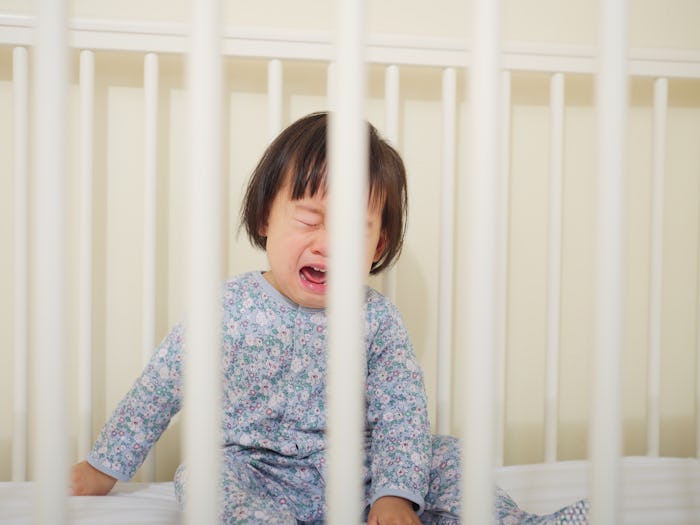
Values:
[(118, 193), (652, 23)]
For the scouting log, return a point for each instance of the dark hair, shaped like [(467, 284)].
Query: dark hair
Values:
[(299, 152)]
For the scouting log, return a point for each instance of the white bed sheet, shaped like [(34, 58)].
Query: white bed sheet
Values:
[(127, 504), (657, 491)]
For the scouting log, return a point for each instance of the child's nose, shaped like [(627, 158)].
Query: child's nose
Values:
[(319, 245)]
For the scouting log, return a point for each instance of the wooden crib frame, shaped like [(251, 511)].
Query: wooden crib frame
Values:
[(491, 72)]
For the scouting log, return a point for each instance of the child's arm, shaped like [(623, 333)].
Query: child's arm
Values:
[(143, 414), (391, 510), (86, 480), (397, 415)]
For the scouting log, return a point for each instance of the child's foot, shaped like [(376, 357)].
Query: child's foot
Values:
[(576, 514), (508, 513)]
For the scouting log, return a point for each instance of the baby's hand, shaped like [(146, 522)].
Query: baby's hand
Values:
[(392, 510), (86, 480)]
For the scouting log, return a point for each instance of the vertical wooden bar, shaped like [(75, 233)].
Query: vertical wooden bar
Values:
[(347, 209), (150, 204), (656, 269), (446, 258), (697, 374), (556, 169), (87, 110), (330, 86), (502, 337), (391, 98), (203, 360), (50, 451), (20, 88), (485, 216), (611, 92), (274, 97)]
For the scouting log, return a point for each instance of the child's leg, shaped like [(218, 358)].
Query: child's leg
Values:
[(243, 498), (442, 504), (507, 512)]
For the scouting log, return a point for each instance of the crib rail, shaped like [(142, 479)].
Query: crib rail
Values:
[(490, 73), (274, 43)]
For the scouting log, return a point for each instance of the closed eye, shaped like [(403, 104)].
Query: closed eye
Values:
[(309, 220), (307, 224), (308, 216)]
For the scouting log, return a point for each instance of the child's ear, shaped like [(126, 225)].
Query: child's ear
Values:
[(263, 230), (381, 246)]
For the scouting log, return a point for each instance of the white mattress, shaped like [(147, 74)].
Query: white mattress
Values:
[(657, 491), (127, 504)]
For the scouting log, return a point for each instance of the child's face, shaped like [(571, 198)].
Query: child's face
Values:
[(297, 246)]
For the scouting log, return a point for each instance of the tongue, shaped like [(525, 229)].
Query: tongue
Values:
[(315, 276)]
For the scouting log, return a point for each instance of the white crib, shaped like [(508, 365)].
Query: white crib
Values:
[(500, 239)]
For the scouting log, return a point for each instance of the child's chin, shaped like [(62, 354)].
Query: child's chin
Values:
[(314, 303), (312, 299)]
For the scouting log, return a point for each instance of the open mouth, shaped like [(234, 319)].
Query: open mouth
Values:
[(313, 276)]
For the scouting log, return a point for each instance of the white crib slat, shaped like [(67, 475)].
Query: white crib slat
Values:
[(556, 168), (502, 341), (50, 452), (391, 99), (482, 323), (611, 92), (656, 270), (697, 374), (203, 360), (330, 86), (274, 97), (87, 97), (148, 297), (446, 258), (347, 208), (20, 87)]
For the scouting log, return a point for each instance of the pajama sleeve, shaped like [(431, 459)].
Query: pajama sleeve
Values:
[(397, 415), (143, 414)]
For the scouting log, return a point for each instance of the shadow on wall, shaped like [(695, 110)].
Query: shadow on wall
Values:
[(420, 315), (411, 288)]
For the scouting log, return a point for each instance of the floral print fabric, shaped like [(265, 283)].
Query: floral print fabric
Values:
[(274, 414), (274, 374)]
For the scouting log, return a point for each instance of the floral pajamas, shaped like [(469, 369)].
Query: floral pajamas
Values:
[(274, 413), (442, 504), (255, 492)]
